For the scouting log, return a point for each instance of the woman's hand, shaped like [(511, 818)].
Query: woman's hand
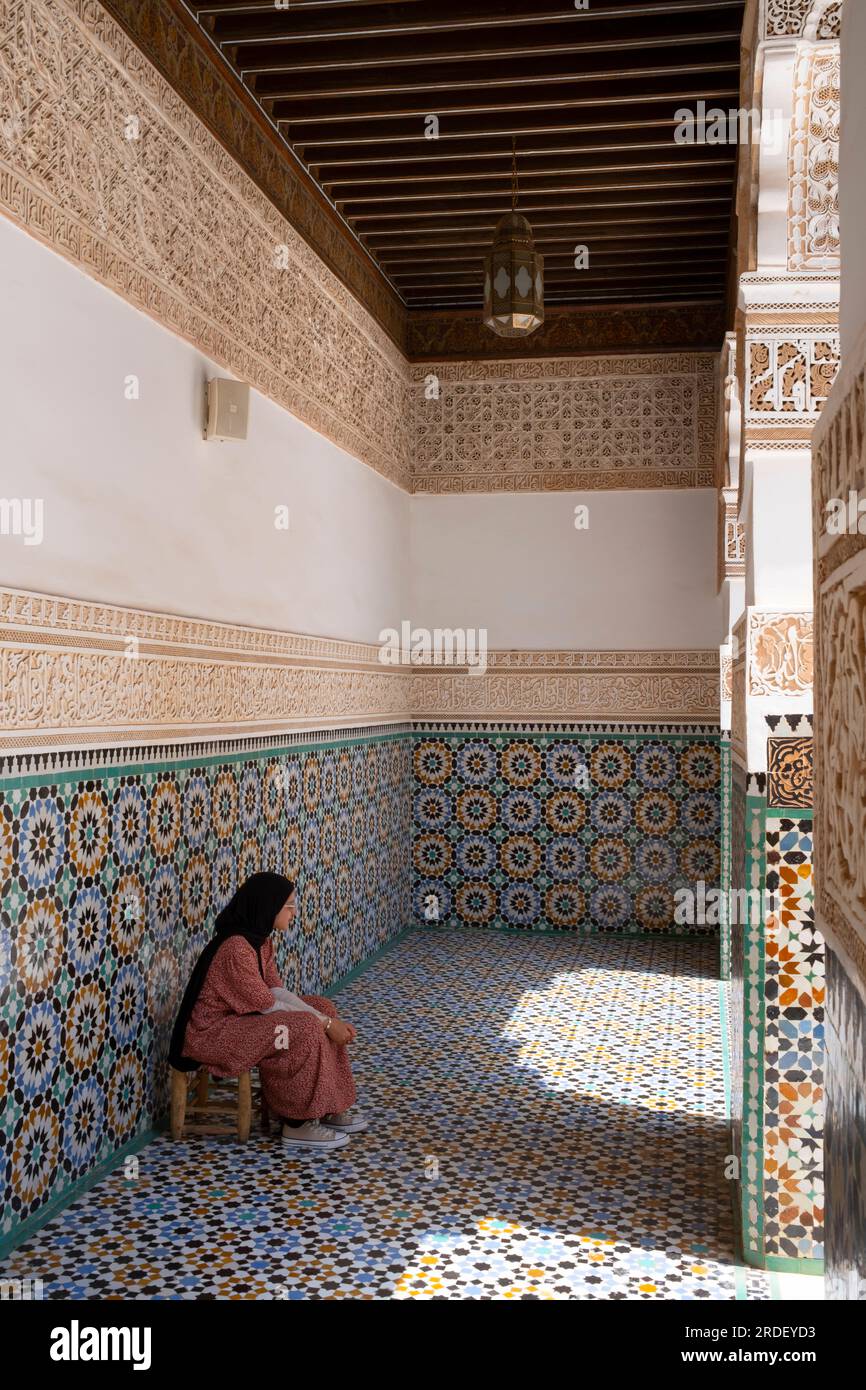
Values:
[(341, 1032)]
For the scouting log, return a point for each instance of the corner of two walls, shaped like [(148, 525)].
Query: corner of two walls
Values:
[(151, 759)]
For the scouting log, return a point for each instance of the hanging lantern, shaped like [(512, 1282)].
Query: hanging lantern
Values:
[(513, 274)]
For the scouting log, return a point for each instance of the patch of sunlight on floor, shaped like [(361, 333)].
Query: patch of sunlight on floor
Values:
[(798, 1288), (653, 1055)]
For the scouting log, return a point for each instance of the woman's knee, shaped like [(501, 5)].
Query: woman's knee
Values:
[(318, 1001), (297, 1030)]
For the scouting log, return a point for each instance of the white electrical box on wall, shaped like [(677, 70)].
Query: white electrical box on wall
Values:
[(227, 407)]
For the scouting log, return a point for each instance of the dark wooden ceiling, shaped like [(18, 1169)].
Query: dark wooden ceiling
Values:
[(589, 96)]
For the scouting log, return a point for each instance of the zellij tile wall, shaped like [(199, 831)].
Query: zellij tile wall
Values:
[(110, 882), (564, 830), (112, 874)]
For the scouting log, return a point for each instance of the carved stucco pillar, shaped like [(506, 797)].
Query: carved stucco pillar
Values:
[(839, 518), (730, 573), (786, 358), (840, 633)]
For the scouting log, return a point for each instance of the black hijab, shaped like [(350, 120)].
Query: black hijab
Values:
[(250, 914)]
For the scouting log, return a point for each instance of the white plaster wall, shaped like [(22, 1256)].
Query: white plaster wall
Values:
[(733, 600), (852, 182), (777, 97), (642, 576), (779, 553), (139, 510)]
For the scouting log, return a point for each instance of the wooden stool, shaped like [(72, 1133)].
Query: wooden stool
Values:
[(203, 1105)]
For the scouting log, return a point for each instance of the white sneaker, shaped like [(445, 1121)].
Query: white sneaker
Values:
[(346, 1122), (312, 1135)]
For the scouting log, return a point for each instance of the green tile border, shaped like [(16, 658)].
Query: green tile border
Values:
[(593, 935), (752, 1134), (778, 1264), (740, 1264), (725, 851), (78, 773), (53, 1208), (102, 771), (351, 975)]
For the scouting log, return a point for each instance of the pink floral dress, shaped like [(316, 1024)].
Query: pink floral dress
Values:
[(304, 1074)]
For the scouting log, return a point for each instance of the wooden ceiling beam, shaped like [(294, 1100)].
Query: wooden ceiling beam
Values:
[(469, 118), (375, 219), (394, 132), (691, 174), (449, 91), (496, 46), (528, 167), (309, 24), (612, 297), (534, 138), (406, 181), (558, 264), (560, 252), (546, 229), (590, 97)]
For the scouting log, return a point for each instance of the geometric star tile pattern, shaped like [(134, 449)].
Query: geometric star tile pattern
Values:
[(548, 1122), (110, 880), (558, 831), (793, 1047)]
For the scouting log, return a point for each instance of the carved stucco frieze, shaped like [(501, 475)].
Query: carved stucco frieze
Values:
[(813, 175), (780, 654), (601, 422), (731, 534), (101, 160), (180, 52), (815, 19), (789, 376), (76, 692), (839, 470), (841, 761), (678, 696), (74, 674)]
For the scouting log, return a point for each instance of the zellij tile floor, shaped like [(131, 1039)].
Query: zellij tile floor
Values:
[(548, 1122)]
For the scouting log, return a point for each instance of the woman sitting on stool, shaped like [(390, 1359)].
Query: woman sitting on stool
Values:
[(237, 1014)]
